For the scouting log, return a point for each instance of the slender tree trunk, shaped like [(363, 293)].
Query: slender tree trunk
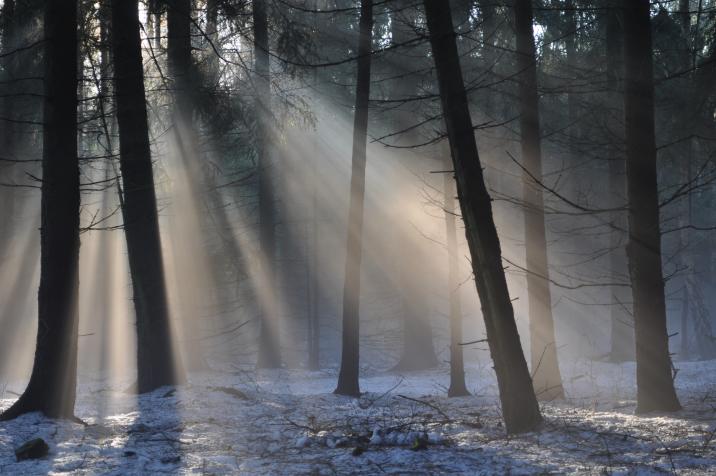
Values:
[(269, 339), (545, 367), (183, 73), (52, 386), (570, 46), (156, 363), (622, 321), (314, 286), (179, 57), (348, 376), (457, 367), (655, 385), (519, 403)]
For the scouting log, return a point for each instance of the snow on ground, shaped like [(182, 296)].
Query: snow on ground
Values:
[(289, 422)]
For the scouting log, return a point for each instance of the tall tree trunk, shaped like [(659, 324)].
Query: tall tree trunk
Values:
[(348, 376), (179, 57), (182, 72), (457, 368), (418, 352), (313, 289), (7, 129), (52, 386), (156, 364), (519, 403), (545, 368), (622, 321), (269, 339), (655, 385)]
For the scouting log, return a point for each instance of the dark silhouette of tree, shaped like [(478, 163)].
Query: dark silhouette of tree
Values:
[(655, 384), (348, 377), (52, 386), (519, 403), (156, 364)]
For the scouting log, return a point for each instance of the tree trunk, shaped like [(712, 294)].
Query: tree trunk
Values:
[(655, 385), (7, 129), (313, 289), (182, 72), (155, 359), (519, 403), (545, 367), (348, 376), (52, 386), (179, 56), (457, 367), (622, 321), (269, 339)]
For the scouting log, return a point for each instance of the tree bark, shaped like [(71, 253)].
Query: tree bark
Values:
[(545, 367), (655, 385), (156, 364), (52, 386), (348, 376), (519, 403)]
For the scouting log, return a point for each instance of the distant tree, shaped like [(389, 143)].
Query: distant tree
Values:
[(545, 367), (348, 377), (155, 358), (519, 403), (418, 352), (457, 367), (655, 383), (622, 321), (52, 386), (269, 345)]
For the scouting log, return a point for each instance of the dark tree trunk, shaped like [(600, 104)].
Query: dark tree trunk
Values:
[(155, 359), (52, 385), (348, 376), (655, 385), (545, 367), (519, 403), (179, 56), (269, 339), (622, 321), (457, 368)]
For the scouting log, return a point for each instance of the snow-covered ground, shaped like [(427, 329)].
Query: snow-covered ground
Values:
[(289, 422)]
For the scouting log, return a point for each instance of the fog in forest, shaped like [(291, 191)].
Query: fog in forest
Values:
[(323, 236)]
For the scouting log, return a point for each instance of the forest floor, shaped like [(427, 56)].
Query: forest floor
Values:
[(289, 422)]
